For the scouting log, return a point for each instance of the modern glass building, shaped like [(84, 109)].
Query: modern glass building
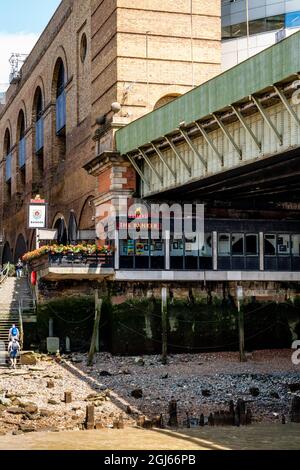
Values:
[(250, 26)]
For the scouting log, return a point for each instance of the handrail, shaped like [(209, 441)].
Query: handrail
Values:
[(4, 273), (21, 323), (33, 293)]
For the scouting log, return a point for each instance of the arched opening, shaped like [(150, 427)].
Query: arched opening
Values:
[(166, 99), (21, 248), (72, 228), (86, 224), (8, 164), (38, 157), (7, 254), (21, 152), (62, 235), (87, 216), (59, 94)]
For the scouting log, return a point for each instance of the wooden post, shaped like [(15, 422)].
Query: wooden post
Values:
[(164, 324), (95, 338), (241, 332), (68, 398), (90, 417), (173, 421)]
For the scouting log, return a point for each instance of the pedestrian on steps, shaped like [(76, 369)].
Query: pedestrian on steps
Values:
[(14, 333), (19, 268), (13, 351)]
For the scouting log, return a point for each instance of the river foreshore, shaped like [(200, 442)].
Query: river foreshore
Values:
[(33, 397)]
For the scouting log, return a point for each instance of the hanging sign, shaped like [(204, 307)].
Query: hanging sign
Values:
[(37, 214)]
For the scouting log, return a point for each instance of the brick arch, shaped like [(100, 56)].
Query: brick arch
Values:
[(21, 122), (32, 241), (7, 136), (39, 85), (166, 99), (20, 247), (87, 213), (59, 223), (6, 254), (60, 57)]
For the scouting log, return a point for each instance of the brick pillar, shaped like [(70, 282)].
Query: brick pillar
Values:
[(116, 178)]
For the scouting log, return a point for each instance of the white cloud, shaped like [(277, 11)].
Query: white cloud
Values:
[(13, 43)]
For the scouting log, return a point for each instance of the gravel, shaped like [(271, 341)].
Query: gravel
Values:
[(200, 383)]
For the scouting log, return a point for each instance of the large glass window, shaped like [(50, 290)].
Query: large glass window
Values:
[(206, 248), (270, 245), (224, 244), (283, 245), (257, 26), (237, 243), (275, 22), (251, 244), (296, 245)]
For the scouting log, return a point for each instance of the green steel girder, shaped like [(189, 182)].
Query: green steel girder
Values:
[(256, 74)]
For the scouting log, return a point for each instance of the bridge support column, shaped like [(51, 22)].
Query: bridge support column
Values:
[(261, 252), (215, 251), (167, 259)]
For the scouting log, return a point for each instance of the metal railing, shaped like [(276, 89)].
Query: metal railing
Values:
[(21, 329), (81, 260), (4, 273)]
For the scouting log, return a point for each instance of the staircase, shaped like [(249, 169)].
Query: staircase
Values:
[(16, 306)]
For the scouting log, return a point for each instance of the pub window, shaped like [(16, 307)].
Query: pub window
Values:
[(206, 249), (237, 240), (192, 246), (283, 244), (296, 245), (224, 244), (270, 245), (251, 245)]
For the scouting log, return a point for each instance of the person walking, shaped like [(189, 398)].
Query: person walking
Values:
[(14, 333), (19, 268), (13, 351)]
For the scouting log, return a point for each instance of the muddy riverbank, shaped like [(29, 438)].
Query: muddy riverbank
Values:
[(257, 437), (32, 399)]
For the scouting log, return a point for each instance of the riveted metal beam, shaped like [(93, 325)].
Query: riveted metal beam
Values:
[(287, 105), (267, 118), (228, 135), (138, 170), (151, 166), (210, 143), (193, 147), (246, 126), (164, 161), (177, 154)]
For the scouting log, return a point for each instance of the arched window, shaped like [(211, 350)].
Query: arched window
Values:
[(59, 81), (7, 155), (39, 120), (21, 140)]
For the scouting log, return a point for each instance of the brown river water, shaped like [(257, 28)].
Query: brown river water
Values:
[(260, 437)]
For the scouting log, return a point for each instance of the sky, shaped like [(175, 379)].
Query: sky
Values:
[(21, 23)]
